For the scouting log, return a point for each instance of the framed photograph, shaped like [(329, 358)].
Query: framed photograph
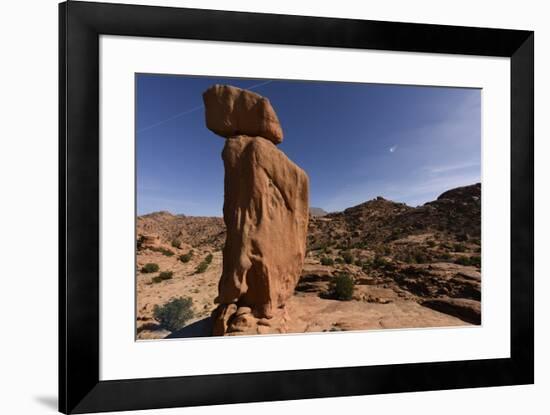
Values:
[(259, 207)]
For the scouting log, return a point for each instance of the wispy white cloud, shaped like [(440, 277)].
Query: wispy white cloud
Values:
[(408, 190), (452, 167), (393, 148)]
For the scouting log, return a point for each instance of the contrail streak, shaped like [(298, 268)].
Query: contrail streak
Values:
[(189, 111)]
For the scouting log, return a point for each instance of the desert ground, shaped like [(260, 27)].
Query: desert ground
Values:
[(410, 267)]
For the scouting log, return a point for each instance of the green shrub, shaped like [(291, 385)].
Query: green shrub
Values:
[(358, 263), (379, 262), (445, 256), (165, 275), (459, 247), (348, 257), (342, 287), (462, 261), (421, 258), (167, 252), (473, 261), (327, 261), (163, 251), (208, 258), (186, 257), (201, 267), (176, 243), (150, 267), (339, 260), (431, 243), (173, 315)]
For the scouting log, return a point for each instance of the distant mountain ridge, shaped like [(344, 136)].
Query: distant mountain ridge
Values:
[(456, 213), (317, 211)]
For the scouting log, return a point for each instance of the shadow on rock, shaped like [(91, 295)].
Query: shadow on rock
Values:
[(201, 328)]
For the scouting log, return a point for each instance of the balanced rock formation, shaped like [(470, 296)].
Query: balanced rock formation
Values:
[(265, 212), (233, 111)]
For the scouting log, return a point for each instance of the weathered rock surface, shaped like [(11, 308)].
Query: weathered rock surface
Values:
[(266, 214), (232, 111), (464, 309), (149, 240)]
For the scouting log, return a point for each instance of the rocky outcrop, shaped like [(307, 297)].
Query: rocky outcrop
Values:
[(464, 309), (232, 111), (265, 212), (147, 240)]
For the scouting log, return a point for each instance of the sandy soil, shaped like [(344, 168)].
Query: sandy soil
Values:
[(374, 306)]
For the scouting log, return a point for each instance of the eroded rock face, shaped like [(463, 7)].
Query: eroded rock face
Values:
[(266, 213), (232, 111), (148, 240)]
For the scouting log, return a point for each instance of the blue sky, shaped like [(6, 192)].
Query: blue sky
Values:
[(355, 141)]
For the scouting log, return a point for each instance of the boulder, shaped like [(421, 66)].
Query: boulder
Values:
[(232, 111), (149, 240), (463, 308)]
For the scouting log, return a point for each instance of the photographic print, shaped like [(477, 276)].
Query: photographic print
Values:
[(270, 206)]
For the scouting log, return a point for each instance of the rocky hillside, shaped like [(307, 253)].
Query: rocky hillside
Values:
[(380, 224), (454, 218), (192, 230), (410, 267)]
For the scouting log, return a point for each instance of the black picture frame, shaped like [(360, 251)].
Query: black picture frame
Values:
[(81, 24)]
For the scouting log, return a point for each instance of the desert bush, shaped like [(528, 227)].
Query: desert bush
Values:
[(165, 275), (203, 266), (339, 260), (342, 287), (176, 243), (458, 247), (358, 263), (445, 256), (174, 314), (186, 257), (348, 257), (462, 260), (150, 267), (431, 243), (379, 262), (163, 251), (327, 261), (473, 261), (167, 252), (421, 258), (208, 258)]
